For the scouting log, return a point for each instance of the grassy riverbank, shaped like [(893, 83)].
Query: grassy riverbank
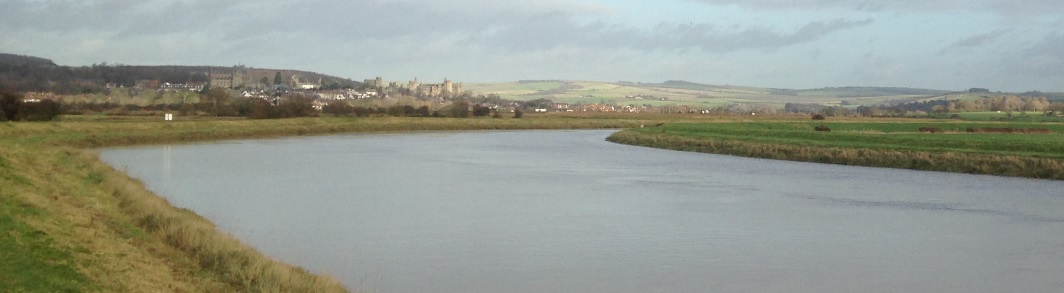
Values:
[(73, 223), (895, 144)]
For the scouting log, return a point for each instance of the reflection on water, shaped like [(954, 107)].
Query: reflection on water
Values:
[(166, 163), (565, 211)]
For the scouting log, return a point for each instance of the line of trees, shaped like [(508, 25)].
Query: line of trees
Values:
[(218, 102), (458, 109), (33, 74)]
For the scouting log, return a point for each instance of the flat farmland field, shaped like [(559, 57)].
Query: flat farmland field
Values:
[(1008, 149)]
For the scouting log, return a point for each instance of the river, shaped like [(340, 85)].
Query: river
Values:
[(566, 211)]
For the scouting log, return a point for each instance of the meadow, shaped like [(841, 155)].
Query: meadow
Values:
[(894, 144)]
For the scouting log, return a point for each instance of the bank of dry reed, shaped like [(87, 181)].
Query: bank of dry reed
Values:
[(232, 262), (1016, 166)]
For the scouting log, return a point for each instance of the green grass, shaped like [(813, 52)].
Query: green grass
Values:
[(30, 260), (895, 136), (891, 144)]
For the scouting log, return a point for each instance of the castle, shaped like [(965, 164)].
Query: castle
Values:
[(241, 77), (416, 88), (237, 77)]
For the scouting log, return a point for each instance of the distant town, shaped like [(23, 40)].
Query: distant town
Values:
[(242, 91)]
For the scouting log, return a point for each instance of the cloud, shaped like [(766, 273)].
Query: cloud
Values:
[(975, 41), (1001, 7), (879, 70), (1044, 59), (754, 42), (549, 30)]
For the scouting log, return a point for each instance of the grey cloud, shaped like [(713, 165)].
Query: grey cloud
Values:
[(63, 16), (512, 26), (558, 29), (334, 18), (878, 69), (1044, 59), (975, 41)]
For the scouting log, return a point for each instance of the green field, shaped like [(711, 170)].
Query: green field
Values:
[(885, 144)]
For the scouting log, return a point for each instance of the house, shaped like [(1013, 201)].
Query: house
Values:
[(319, 104), (303, 84), (148, 84), (176, 87)]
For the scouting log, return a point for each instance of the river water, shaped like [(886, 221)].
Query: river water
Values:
[(566, 211)]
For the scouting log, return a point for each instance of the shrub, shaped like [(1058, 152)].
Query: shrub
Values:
[(518, 113), (14, 109), (261, 109), (930, 129), (9, 105), (296, 106), (460, 109), (818, 116), (46, 110), (480, 111)]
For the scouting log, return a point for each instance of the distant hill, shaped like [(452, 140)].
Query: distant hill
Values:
[(26, 73), (678, 92), (20, 60)]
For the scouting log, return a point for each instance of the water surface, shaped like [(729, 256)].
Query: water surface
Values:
[(565, 211)]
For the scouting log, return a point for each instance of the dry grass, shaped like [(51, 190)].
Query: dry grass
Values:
[(235, 264)]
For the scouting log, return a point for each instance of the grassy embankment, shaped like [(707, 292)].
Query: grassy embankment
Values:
[(893, 144), (73, 223)]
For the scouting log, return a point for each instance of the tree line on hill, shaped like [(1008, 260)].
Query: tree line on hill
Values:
[(34, 74)]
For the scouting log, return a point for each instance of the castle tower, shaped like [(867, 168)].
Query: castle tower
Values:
[(448, 87), (413, 86)]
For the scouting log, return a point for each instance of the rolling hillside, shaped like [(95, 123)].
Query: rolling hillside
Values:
[(694, 94), (28, 73)]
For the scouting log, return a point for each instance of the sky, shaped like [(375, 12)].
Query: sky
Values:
[(1002, 45)]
